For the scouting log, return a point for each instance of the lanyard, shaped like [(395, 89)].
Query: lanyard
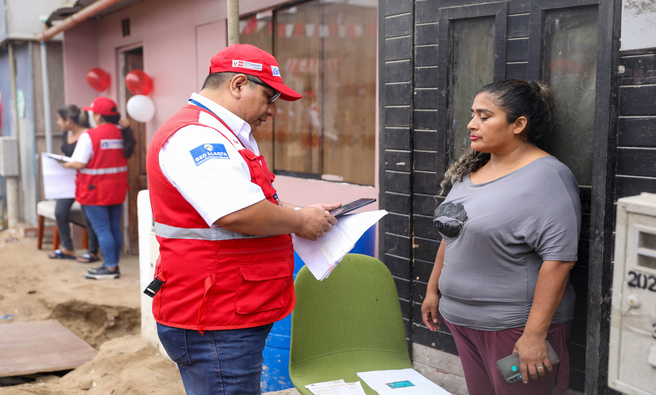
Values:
[(204, 107)]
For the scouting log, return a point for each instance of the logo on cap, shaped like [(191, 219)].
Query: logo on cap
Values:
[(247, 65), (275, 71)]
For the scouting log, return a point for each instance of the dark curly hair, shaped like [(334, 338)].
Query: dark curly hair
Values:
[(531, 99)]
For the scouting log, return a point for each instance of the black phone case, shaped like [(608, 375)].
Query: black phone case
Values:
[(509, 366)]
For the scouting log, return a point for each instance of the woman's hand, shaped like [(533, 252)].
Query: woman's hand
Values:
[(533, 357), (431, 303), (429, 313)]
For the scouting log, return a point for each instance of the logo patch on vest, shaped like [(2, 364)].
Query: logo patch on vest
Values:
[(111, 144), (208, 151)]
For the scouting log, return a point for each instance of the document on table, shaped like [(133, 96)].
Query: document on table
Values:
[(336, 387), (323, 255), (58, 181), (401, 382)]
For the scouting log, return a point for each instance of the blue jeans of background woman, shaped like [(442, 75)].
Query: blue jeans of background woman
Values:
[(106, 222), (62, 214)]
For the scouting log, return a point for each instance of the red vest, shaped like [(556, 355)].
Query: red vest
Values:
[(104, 180), (214, 278)]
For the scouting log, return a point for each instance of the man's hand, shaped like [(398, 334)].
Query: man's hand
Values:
[(317, 221)]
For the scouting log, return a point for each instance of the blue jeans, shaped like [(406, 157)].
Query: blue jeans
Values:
[(227, 362), (106, 222)]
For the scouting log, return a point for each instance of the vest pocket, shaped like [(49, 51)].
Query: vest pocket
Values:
[(262, 286)]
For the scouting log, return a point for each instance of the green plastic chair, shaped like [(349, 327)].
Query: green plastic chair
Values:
[(350, 322)]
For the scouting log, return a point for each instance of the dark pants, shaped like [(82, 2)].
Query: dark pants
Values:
[(62, 213), (226, 362), (479, 351)]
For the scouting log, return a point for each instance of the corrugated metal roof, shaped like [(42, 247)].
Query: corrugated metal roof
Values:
[(70, 8)]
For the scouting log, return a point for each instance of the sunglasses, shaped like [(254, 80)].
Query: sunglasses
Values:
[(257, 82)]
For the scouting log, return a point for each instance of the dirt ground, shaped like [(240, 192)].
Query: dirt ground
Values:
[(104, 313)]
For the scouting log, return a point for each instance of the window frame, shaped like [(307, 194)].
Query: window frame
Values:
[(499, 10)]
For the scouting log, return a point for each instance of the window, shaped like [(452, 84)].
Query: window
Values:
[(472, 44), (472, 67), (570, 67), (327, 51)]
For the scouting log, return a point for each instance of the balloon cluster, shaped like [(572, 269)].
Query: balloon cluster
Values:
[(140, 107)]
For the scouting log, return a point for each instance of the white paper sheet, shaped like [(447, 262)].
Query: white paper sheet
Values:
[(58, 181), (336, 387), (401, 381), (323, 255)]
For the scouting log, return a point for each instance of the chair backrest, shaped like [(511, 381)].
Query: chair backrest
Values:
[(355, 309)]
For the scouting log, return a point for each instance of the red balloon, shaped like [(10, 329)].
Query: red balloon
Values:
[(138, 82), (98, 79)]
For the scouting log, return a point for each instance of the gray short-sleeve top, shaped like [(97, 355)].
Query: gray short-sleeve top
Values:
[(497, 235)]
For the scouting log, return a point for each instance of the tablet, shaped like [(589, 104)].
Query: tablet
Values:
[(354, 205)]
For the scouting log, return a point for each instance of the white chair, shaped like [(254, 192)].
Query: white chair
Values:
[(46, 209)]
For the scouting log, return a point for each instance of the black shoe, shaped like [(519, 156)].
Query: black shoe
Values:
[(103, 273), (95, 269)]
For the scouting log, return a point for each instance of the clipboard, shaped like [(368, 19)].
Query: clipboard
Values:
[(60, 158)]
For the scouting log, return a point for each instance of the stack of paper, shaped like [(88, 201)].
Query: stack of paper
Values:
[(401, 381), (323, 255), (58, 181), (336, 387)]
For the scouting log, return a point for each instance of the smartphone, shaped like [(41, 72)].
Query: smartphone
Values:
[(509, 366), (348, 207)]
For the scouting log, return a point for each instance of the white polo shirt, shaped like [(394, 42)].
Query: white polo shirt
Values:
[(218, 185)]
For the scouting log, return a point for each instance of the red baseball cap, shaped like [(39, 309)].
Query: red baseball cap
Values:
[(103, 106), (248, 59)]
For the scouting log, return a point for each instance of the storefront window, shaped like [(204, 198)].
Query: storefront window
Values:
[(327, 52)]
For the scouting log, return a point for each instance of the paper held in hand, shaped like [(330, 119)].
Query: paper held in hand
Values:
[(58, 181), (323, 255)]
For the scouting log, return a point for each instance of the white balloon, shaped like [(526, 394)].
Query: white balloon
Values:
[(141, 108)]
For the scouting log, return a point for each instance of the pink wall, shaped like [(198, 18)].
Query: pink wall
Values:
[(178, 38)]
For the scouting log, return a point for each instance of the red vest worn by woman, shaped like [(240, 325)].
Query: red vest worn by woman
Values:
[(214, 278), (104, 180)]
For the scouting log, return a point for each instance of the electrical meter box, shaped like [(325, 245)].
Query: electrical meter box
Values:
[(8, 156), (632, 349)]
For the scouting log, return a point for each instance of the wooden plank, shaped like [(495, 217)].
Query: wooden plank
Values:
[(636, 162), (40, 346), (440, 367), (637, 132)]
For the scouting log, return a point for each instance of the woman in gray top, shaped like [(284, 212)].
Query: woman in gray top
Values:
[(510, 227)]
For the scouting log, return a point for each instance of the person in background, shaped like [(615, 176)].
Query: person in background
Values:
[(510, 229), (73, 121), (100, 158), (225, 270)]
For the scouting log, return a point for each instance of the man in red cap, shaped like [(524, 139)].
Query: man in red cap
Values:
[(225, 270)]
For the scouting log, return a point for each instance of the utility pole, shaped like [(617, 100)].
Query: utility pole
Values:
[(233, 22)]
